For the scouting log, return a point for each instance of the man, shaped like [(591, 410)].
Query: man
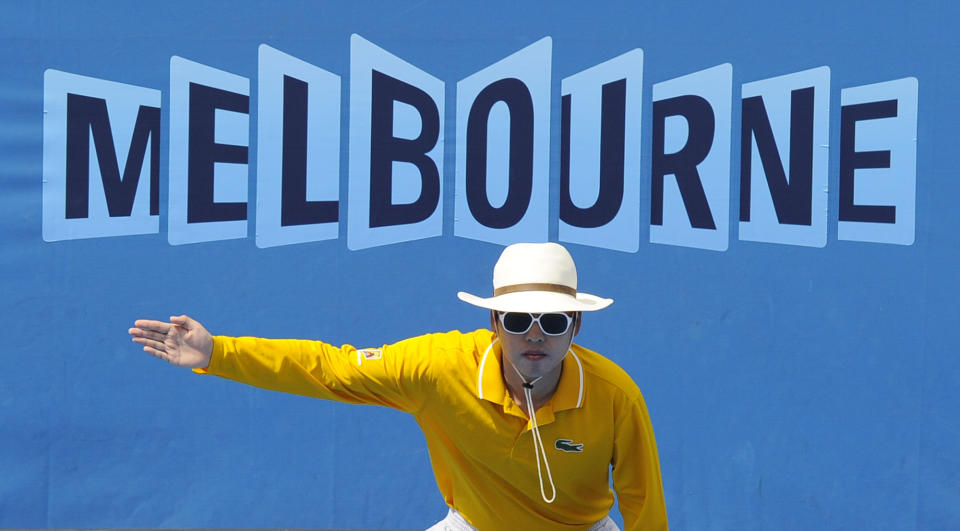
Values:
[(522, 425)]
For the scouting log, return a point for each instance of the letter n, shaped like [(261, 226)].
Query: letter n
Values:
[(783, 159)]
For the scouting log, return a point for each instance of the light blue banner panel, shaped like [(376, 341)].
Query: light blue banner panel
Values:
[(209, 146), (101, 158), (396, 150), (878, 147), (600, 154), (691, 144), (503, 148), (783, 174), (298, 151)]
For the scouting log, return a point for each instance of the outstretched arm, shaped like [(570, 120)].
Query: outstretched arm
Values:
[(182, 342), (396, 375)]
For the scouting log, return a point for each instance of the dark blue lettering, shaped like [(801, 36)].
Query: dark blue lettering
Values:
[(386, 148), (203, 152), (851, 160), (294, 207), (612, 127), (519, 102), (793, 200), (683, 164), (85, 115)]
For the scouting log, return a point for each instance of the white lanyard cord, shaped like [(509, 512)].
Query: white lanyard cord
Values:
[(537, 440)]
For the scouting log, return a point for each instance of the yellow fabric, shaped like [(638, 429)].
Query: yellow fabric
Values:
[(479, 440)]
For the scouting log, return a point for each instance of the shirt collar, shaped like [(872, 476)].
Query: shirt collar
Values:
[(491, 387)]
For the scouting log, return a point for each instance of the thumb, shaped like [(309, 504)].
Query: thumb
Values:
[(183, 321)]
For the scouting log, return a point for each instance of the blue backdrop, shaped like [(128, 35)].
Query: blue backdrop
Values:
[(791, 386)]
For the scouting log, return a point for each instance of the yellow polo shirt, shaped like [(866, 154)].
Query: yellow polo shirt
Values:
[(480, 441)]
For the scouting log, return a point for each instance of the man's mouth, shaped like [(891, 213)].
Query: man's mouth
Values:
[(533, 355)]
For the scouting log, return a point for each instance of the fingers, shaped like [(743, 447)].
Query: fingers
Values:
[(149, 334), (157, 353), (154, 345), (149, 324), (154, 348)]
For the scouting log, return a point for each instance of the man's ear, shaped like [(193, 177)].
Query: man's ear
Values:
[(578, 318), (493, 321)]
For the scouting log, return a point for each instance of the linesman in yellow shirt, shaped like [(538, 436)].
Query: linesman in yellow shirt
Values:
[(524, 427)]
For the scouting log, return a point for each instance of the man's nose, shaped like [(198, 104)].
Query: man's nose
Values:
[(535, 334)]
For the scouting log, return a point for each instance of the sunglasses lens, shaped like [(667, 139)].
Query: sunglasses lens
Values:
[(554, 324), (517, 323)]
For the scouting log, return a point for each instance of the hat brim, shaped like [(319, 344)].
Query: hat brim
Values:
[(538, 302)]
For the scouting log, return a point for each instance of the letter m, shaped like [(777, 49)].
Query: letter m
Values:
[(86, 115), (90, 188)]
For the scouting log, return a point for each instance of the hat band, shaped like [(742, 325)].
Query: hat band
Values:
[(534, 286)]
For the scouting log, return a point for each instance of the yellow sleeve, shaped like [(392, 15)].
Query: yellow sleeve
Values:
[(636, 470), (397, 376)]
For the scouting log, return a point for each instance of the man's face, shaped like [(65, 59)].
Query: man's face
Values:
[(534, 353)]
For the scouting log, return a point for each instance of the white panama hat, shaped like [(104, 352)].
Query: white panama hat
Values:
[(536, 278)]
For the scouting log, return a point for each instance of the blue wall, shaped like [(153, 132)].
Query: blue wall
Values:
[(790, 386)]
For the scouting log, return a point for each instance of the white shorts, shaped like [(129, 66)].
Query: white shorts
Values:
[(456, 522)]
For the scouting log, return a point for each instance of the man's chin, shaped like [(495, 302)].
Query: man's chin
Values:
[(532, 370)]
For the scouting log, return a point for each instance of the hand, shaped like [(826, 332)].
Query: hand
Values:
[(182, 342)]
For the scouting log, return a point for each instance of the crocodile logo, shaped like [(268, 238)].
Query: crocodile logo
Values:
[(567, 445)]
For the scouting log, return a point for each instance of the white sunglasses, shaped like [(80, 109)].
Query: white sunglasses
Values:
[(552, 324)]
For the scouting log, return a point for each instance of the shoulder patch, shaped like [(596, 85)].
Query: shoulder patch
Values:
[(368, 354), (371, 353)]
